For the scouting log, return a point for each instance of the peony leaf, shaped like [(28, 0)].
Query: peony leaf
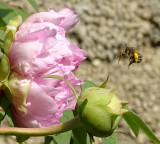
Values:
[(4, 68), (63, 138), (87, 84), (34, 5), (131, 123), (2, 23), (79, 134), (8, 118), (48, 139), (110, 140), (21, 139), (139, 123), (6, 111), (8, 12)]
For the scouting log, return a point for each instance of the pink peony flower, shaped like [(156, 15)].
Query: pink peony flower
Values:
[(41, 48)]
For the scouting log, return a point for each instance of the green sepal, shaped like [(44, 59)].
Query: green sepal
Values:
[(3, 28), (99, 120), (14, 24), (8, 41), (96, 95), (103, 85), (4, 67), (12, 27), (20, 88)]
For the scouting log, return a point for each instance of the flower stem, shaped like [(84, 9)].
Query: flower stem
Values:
[(63, 79), (56, 129)]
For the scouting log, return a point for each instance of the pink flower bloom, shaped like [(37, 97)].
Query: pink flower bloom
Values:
[(40, 48)]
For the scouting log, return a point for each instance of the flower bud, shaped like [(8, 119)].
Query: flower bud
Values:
[(100, 111)]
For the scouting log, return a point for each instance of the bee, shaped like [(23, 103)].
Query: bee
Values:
[(134, 56)]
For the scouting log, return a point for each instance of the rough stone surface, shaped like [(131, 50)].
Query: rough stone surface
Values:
[(104, 27)]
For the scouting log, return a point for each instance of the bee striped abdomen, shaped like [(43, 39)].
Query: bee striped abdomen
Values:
[(139, 58)]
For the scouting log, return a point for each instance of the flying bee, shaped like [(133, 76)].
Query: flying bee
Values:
[(134, 56)]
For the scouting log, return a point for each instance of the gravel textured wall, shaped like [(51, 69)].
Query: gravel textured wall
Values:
[(107, 24), (104, 27)]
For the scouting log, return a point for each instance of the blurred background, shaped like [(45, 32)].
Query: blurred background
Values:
[(103, 29)]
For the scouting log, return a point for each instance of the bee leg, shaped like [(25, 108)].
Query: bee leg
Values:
[(131, 61), (129, 64), (120, 55)]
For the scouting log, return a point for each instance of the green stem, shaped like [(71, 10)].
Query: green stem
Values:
[(63, 79), (56, 129)]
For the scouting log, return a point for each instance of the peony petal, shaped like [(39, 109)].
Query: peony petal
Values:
[(41, 103), (41, 48)]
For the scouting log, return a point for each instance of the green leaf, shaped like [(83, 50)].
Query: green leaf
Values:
[(79, 134), (8, 12), (4, 68), (67, 115), (141, 125), (48, 139), (88, 84), (21, 138), (131, 123), (2, 23), (110, 140), (34, 5), (54, 141), (63, 138), (8, 118), (5, 104)]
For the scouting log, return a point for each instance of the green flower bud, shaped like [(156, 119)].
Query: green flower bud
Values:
[(100, 111)]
